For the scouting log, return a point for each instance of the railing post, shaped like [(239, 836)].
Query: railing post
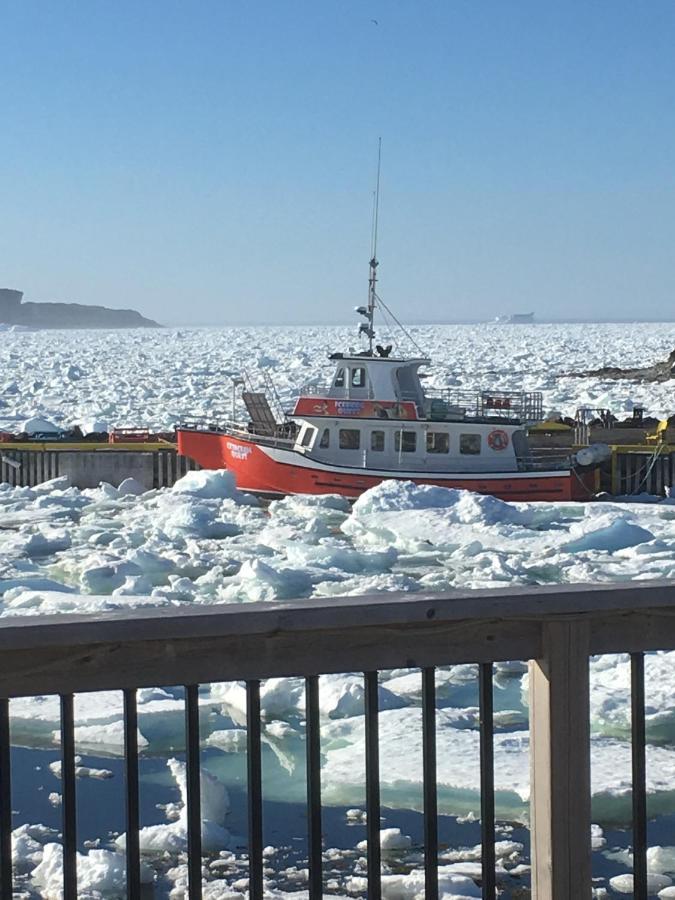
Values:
[(560, 768)]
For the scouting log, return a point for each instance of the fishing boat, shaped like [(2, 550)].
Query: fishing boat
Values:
[(374, 421)]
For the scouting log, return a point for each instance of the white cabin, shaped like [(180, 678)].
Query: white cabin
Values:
[(377, 378)]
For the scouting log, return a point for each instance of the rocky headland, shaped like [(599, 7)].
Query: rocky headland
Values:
[(658, 372), (13, 311)]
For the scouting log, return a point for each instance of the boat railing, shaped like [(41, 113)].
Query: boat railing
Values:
[(329, 390), (544, 459), (448, 403), (315, 390), (283, 437), (524, 406)]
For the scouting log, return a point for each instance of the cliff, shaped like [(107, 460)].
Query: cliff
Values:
[(13, 311)]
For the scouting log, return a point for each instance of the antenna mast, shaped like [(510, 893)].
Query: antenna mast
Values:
[(369, 313)]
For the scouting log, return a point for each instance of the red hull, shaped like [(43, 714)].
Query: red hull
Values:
[(256, 470)]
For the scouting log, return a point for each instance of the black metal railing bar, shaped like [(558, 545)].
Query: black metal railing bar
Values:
[(487, 780), (132, 804), (68, 801), (373, 786), (255, 802), (639, 779), (314, 816), (429, 783), (193, 782), (5, 803)]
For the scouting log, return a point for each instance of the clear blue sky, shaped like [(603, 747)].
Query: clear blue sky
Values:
[(213, 162)]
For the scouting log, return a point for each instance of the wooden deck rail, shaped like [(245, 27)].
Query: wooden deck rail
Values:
[(556, 628)]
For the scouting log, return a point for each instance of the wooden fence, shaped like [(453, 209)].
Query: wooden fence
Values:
[(556, 628)]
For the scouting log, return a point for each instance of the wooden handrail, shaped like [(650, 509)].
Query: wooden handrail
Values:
[(555, 627)]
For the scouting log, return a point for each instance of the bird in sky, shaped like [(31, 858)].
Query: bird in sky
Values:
[(374, 21)]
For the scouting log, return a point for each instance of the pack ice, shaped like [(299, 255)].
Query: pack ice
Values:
[(154, 379), (64, 550), (203, 541)]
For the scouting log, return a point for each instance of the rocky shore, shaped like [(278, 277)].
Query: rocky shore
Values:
[(658, 372)]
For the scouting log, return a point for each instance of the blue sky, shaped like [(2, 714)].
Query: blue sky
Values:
[(213, 162)]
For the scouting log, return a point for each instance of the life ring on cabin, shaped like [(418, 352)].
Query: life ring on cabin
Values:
[(498, 439)]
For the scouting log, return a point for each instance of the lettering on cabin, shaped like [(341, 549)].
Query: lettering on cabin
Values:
[(362, 409), (348, 407)]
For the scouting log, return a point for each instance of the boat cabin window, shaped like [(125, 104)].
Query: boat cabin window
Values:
[(324, 443), (350, 439), (408, 384), (438, 442), (339, 378), (377, 441), (359, 377), (469, 444), (405, 441), (307, 437)]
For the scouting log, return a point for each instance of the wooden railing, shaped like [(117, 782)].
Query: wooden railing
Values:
[(557, 628)]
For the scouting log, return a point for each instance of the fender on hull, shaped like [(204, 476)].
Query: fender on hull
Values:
[(255, 470)]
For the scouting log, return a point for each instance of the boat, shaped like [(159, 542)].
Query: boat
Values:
[(374, 421)]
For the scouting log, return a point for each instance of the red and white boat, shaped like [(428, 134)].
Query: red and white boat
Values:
[(375, 422)]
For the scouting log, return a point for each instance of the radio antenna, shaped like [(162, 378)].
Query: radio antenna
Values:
[(369, 312)]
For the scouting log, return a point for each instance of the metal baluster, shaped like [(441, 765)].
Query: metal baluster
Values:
[(487, 781), (132, 798), (314, 787), (194, 811), (68, 803), (5, 803), (373, 786), (638, 742), (255, 811), (429, 783)]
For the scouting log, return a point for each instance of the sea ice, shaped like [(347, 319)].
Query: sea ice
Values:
[(37, 425), (172, 837), (623, 884), (117, 378), (661, 860), (391, 840), (212, 485), (64, 550), (98, 872), (616, 535)]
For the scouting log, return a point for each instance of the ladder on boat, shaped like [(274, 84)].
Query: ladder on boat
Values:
[(260, 413)]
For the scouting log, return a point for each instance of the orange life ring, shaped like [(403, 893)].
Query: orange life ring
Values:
[(498, 439)]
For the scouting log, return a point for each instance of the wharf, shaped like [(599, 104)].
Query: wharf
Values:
[(639, 469), (642, 460), (154, 464), (633, 468)]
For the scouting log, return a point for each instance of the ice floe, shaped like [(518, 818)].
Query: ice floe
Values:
[(172, 836)]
